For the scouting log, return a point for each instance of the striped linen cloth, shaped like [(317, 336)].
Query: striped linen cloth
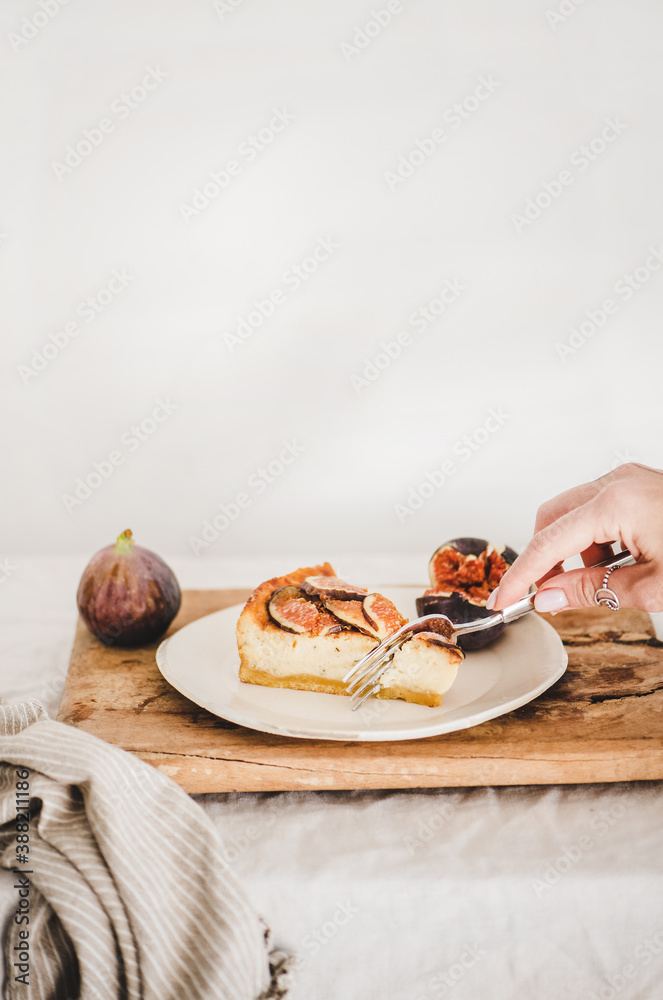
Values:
[(124, 884)]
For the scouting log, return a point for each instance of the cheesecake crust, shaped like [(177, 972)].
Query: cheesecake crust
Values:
[(326, 685)]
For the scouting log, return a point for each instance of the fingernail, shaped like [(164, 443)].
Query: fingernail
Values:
[(550, 600), (490, 603)]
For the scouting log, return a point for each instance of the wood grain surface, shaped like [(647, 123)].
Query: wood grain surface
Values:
[(602, 721)]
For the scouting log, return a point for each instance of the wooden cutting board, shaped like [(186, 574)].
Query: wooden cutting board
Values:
[(602, 721)]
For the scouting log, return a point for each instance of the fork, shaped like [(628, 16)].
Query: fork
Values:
[(363, 680)]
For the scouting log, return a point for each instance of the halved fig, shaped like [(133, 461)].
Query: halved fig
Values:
[(352, 613), (463, 574), (333, 588), (289, 608), (382, 615)]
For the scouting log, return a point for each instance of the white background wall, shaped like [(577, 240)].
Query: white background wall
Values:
[(355, 115)]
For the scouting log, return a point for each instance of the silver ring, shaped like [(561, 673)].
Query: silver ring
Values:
[(605, 597)]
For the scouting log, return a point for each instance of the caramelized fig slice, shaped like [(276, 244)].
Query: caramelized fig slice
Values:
[(291, 611), (352, 613), (329, 625), (332, 587), (435, 639), (426, 606), (382, 615)]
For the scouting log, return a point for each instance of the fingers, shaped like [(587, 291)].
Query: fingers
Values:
[(557, 568), (565, 502), (596, 553), (577, 588), (576, 497), (573, 532), (592, 555)]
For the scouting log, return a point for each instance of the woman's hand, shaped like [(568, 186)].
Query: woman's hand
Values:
[(625, 506)]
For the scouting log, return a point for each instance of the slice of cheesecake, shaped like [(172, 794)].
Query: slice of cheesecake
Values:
[(306, 629)]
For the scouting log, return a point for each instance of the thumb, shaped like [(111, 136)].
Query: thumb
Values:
[(578, 587)]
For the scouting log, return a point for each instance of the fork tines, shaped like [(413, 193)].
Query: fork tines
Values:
[(363, 679)]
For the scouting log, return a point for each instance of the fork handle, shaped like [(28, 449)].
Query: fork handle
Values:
[(509, 614), (526, 604), (518, 609)]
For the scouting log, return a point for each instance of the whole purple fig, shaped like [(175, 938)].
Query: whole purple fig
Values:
[(127, 596)]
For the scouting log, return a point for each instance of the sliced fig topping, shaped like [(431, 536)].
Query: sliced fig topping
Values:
[(352, 613), (382, 615), (430, 605), (289, 608), (434, 639), (333, 588), (329, 625)]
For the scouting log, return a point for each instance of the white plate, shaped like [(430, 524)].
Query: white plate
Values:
[(201, 662)]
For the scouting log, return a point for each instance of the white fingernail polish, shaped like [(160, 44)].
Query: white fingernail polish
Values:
[(550, 600)]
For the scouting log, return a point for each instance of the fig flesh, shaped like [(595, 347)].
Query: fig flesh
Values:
[(307, 610), (442, 628), (290, 609), (127, 595), (333, 588), (382, 615), (463, 574), (351, 613)]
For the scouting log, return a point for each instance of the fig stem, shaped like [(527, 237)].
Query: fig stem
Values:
[(125, 543)]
